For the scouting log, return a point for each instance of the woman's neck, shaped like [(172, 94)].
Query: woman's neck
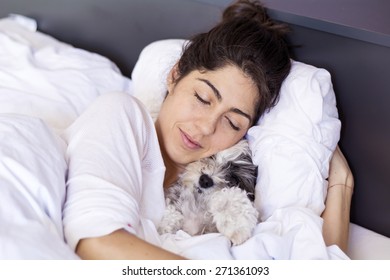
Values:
[(171, 173), (172, 169)]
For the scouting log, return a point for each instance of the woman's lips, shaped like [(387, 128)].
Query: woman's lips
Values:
[(189, 142)]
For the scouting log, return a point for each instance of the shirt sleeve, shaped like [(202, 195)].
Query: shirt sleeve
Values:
[(116, 171)]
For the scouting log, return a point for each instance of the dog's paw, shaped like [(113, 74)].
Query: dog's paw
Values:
[(238, 228), (172, 220), (239, 236), (234, 214)]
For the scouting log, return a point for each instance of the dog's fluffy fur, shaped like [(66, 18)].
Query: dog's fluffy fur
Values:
[(214, 195)]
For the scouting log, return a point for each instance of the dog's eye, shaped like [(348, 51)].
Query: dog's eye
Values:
[(251, 196), (232, 179)]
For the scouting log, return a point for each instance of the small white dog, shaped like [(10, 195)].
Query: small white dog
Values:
[(214, 194)]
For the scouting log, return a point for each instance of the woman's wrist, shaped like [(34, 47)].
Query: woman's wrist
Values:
[(340, 186)]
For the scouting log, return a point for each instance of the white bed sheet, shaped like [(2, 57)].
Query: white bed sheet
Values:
[(35, 87), (365, 244)]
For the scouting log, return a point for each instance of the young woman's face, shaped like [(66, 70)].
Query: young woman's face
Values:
[(205, 112)]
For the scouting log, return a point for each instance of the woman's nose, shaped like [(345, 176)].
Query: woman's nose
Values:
[(207, 124)]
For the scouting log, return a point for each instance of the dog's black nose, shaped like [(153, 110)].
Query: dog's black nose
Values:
[(205, 181)]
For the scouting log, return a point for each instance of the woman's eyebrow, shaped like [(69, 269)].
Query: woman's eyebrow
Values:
[(238, 111), (219, 97), (215, 90)]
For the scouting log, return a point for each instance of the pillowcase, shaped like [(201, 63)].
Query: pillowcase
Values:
[(151, 70), (292, 144)]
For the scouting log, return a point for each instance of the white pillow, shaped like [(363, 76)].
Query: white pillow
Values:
[(150, 73), (292, 144)]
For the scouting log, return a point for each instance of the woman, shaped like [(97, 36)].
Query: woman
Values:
[(225, 80)]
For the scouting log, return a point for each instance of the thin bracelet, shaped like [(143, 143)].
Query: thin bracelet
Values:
[(351, 188)]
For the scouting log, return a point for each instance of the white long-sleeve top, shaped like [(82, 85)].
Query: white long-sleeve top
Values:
[(116, 171)]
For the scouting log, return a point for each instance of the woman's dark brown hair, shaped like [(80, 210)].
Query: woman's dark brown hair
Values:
[(246, 37)]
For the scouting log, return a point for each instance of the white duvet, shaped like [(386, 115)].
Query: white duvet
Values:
[(45, 85)]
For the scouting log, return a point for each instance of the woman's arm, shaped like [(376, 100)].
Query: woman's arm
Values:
[(115, 177), (121, 245), (338, 202)]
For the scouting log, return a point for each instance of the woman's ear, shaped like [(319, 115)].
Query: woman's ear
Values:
[(172, 78)]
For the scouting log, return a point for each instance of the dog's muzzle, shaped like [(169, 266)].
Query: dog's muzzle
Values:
[(205, 181)]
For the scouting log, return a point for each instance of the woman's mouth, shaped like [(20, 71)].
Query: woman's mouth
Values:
[(188, 142)]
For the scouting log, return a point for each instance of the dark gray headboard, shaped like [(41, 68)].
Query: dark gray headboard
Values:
[(352, 41)]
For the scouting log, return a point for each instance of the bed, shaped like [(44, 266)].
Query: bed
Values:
[(99, 45)]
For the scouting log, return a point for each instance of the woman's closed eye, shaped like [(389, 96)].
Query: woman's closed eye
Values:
[(201, 100), (232, 125), (205, 102)]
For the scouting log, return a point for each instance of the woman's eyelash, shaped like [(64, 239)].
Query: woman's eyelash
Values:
[(232, 125), (201, 99)]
